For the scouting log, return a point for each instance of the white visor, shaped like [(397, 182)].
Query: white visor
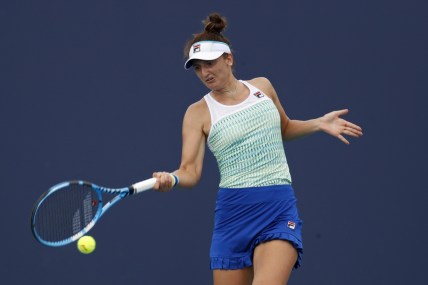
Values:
[(206, 50)]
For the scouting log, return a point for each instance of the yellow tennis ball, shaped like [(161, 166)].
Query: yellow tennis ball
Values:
[(86, 244)]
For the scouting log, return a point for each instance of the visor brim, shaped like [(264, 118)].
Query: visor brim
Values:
[(203, 56)]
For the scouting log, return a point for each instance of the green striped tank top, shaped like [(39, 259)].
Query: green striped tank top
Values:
[(247, 143)]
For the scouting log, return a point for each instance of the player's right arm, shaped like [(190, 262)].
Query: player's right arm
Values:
[(193, 149)]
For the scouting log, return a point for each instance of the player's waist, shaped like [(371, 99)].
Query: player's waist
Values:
[(250, 195), (248, 177)]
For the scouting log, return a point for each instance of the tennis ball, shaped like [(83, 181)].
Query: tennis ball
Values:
[(86, 244)]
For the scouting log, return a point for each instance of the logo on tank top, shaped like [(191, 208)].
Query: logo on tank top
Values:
[(196, 48), (259, 94), (291, 225)]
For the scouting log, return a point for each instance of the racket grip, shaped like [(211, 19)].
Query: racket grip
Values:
[(144, 185)]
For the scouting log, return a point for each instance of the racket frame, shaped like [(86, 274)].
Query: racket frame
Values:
[(101, 209)]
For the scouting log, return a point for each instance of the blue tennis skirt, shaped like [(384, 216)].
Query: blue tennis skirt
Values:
[(246, 217)]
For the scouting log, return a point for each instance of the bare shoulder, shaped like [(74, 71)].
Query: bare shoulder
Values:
[(198, 116), (197, 109), (259, 81), (264, 85)]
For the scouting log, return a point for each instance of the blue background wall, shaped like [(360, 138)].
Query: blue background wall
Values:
[(96, 90)]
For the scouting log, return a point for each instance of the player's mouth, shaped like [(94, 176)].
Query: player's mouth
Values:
[(209, 80)]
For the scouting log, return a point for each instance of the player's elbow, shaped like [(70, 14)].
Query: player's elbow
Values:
[(189, 175)]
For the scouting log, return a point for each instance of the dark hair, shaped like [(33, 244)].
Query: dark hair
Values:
[(214, 25)]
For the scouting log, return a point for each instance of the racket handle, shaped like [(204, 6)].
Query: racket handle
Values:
[(144, 185)]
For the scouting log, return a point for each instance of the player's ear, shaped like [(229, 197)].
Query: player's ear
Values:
[(229, 59)]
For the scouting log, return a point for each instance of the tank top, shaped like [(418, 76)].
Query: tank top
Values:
[(246, 141)]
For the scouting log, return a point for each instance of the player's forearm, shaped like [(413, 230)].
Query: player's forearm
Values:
[(296, 129), (188, 177)]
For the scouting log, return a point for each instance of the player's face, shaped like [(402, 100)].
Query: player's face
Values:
[(214, 73)]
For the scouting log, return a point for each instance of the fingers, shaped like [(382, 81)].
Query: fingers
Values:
[(165, 181), (342, 112), (342, 138), (350, 130), (339, 127), (353, 126)]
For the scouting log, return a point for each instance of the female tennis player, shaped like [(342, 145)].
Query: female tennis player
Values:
[(257, 230)]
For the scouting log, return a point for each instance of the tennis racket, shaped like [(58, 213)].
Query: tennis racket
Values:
[(68, 210)]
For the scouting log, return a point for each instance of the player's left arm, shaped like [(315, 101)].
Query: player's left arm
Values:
[(331, 123)]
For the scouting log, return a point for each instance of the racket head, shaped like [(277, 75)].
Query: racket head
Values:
[(66, 212)]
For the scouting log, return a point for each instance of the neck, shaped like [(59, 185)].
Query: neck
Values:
[(230, 90)]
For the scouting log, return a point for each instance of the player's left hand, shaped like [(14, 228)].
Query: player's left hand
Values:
[(332, 124)]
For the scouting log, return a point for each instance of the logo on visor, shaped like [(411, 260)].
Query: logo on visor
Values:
[(196, 48)]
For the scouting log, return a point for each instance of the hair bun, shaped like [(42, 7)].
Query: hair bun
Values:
[(215, 23)]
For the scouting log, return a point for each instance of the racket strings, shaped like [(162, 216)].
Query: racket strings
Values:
[(66, 212)]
